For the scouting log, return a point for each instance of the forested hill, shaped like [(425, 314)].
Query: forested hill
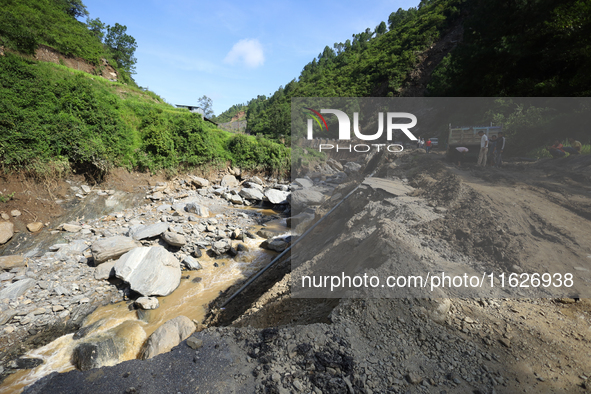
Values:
[(25, 25), (54, 119), (448, 48)]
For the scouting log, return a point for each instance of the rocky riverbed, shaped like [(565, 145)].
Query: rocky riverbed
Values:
[(49, 288), (418, 210)]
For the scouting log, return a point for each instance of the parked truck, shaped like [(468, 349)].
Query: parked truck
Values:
[(467, 136)]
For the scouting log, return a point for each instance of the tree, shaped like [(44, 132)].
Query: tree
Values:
[(96, 27), (207, 105), (122, 47), (74, 8), (400, 16), (381, 28)]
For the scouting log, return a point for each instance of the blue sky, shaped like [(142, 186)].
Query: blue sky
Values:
[(233, 51)]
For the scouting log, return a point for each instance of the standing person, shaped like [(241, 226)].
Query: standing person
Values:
[(428, 145), (483, 149), (419, 143), (556, 150), (491, 150), (499, 149), (574, 148)]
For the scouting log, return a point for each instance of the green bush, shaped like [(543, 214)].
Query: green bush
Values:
[(258, 153), (50, 114), (24, 25)]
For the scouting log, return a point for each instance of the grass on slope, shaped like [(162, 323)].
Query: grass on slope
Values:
[(54, 117), (24, 25)]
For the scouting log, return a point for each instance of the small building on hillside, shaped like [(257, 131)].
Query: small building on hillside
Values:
[(196, 110)]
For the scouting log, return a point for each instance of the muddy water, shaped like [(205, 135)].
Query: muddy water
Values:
[(196, 291)]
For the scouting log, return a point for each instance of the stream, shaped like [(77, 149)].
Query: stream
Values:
[(196, 290)]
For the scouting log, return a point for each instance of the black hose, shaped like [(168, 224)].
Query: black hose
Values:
[(248, 283)]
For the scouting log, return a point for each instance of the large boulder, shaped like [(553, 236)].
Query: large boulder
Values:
[(13, 261), (17, 289), (150, 231), (147, 303), (305, 197), (167, 336), (234, 199), (253, 186), (191, 264), (174, 239), (278, 245), (104, 271), (256, 179), (250, 193), (197, 209), (220, 247), (6, 232), (229, 181), (276, 196), (303, 182), (112, 248), (108, 348), (149, 271), (199, 182)]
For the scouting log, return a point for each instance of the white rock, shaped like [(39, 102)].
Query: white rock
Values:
[(163, 207), (352, 167), (17, 289), (250, 193), (167, 336), (256, 179), (303, 182), (71, 228), (104, 271), (253, 186), (197, 209), (174, 239), (229, 181), (276, 196), (191, 263), (149, 271), (152, 230), (156, 196), (111, 248), (147, 303), (234, 199), (199, 182), (34, 227)]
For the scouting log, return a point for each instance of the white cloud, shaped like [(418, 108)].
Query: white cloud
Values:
[(248, 51)]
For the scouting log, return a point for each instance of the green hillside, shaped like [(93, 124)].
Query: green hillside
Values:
[(523, 48), (526, 48), (373, 63), (24, 25), (53, 118), (228, 114)]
